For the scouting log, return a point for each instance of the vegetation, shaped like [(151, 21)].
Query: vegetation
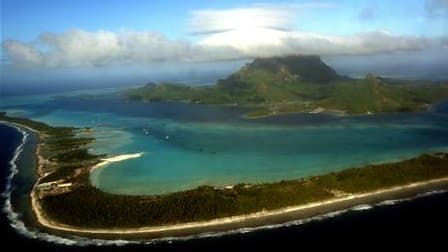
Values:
[(300, 84), (88, 207), (65, 152), (82, 205), (39, 126)]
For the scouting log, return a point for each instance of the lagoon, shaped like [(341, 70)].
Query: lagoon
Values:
[(187, 145)]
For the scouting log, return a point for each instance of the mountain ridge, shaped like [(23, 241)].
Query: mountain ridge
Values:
[(297, 84), (305, 67)]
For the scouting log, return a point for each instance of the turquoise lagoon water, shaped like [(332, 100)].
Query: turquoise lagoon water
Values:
[(185, 146)]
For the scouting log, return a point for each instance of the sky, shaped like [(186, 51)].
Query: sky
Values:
[(129, 41)]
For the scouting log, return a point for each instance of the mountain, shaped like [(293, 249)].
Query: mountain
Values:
[(280, 70), (304, 68), (295, 84)]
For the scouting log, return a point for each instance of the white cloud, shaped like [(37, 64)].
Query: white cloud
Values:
[(258, 31), (21, 53), (211, 21), (77, 47), (269, 16), (267, 42), (82, 48)]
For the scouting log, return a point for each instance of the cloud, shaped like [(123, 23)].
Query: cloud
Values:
[(78, 48), (21, 53), (242, 33), (266, 42), (212, 21), (82, 48), (437, 7), (368, 13), (269, 16)]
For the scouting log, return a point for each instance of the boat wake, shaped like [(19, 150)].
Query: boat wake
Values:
[(72, 240)]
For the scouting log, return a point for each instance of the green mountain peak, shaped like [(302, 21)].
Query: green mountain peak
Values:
[(298, 83), (303, 67)]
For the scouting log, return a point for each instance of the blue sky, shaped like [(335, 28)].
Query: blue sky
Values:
[(38, 36), (25, 19)]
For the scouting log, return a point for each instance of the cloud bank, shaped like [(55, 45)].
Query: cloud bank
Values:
[(78, 47), (260, 31)]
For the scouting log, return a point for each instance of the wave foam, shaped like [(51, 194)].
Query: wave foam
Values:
[(418, 196), (72, 240), (361, 207), (19, 226)]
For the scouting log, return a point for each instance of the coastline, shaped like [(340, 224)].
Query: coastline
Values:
[(319, 110), (258, 219), (39, 160)]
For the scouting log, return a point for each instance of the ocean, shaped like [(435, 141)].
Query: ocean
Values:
[(421, 221), (217, 146)]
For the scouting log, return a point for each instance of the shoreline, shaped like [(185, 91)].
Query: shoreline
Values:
[(114, 159), (258, 219), (308, 210)]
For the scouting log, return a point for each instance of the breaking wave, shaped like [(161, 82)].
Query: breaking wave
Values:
[(418, 196), (19, 226), (361, 207), (72, 240)]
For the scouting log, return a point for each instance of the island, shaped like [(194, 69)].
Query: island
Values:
[(298, 84), (63, 199)]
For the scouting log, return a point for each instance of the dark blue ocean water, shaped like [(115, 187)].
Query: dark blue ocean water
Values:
[(421, 222)]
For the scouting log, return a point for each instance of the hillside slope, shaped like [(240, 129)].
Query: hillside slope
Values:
[(296, 84)]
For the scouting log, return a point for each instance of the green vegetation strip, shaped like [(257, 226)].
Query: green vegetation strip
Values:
[(86, 206), (90, 207), (64, 151)]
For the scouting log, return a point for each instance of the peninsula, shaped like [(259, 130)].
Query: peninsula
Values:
[(63, 199), (300, 84)]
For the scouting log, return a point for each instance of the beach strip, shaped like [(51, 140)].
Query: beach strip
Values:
[(263, 218), (118, 158), (258, 219)]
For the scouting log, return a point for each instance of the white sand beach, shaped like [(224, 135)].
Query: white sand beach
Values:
[(106, 161), (355, 199)]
